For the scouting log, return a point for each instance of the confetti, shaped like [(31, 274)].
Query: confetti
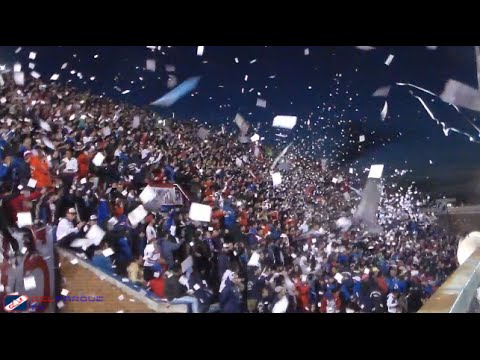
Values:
[(285, 122), (389, 60), (261, 103), (151, 65), (200, 50), (32, 55)]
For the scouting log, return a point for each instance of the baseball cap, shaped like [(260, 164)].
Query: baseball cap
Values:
[(93, 217), (72, 211)]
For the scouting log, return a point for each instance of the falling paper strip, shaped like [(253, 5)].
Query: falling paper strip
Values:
[(29, 283), (365, 48), (362, 138), (280, 156), (55, 77), (261, 103), (376, 172), (98, 159), (461, 95), (2, 82), (32, 55), (35, 74), (200, 212), (432, 47), (18, 50), (31, 66), (200, 50), (74, 261), (382, 92), (151, 65), (64, 292), (108, 252), (276, 178), (137, 215), (17, 67), (24, 219), (306, 51), (417, 87), (121, 298), (176, 94), (389, 60), (255, 137), (125, 92), (384, 112), (285, 122)]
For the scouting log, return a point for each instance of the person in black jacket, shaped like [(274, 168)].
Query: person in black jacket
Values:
[(176, 292)]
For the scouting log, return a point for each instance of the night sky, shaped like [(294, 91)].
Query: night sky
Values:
[(331, 88)]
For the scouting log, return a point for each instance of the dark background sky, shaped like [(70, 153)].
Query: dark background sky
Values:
[(339, 103)]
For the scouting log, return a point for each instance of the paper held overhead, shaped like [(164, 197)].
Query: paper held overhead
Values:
[(137, 215), (376, 172), (254, 260), (461, 95), (95, 234), (176, 94), (276, 178), (284, 122), (199, 212), (19, 78), (98, 159), (24, 219), (147, 195)]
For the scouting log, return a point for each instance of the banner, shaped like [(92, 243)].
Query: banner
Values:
[(165, 196)]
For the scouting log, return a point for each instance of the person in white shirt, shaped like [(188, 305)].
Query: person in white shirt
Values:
[(150, 231), (66, 230), (70, 168), (392, 303), (151, 256)]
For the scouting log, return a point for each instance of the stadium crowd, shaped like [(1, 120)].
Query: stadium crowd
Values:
[(266, 248)]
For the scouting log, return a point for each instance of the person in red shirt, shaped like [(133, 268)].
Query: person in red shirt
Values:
[(157, 285), (83, 161), (21, 203), (302, 294)]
